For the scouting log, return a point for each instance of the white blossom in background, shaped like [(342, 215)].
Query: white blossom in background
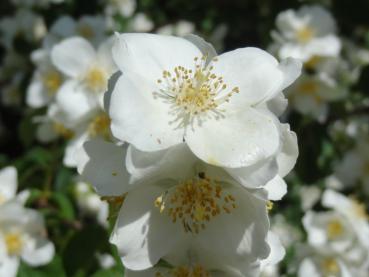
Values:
[(46, 80), (354, 166), (163, 98), (306, 33), (90, 203), (92, 28), (24, 23), (22, 237), (311, 95), (124, 8), (76, 112), (180, 28), (140, 22)]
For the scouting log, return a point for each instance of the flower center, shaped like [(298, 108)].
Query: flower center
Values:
[(99, 126), (185, 271), (304, 34), (193, 92), (52, 81), (85, 31), (195, 202), (330, 266), (96, 79), (310, 88), (14, 243), (61, 130), (334, 229)]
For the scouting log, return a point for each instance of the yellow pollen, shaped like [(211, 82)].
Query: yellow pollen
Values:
[(185, 271), (193, 92), (313, 62), (96, 79), (14, 243), (310, 88), (194, 202), (305, 34), (85, 31), (52, 81), (330, 266), (61, 130), (100, 126), (334, 229), (269, 205), (114, 200)]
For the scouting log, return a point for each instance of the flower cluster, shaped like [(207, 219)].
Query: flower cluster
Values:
[(196, 202)]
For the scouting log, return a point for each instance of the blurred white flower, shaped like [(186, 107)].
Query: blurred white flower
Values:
[(309, 196), (180, 28), (91, 204), (25, 24), (125, 8), (310, 95), (306, 33), (22, 236), (141, 23), (9, 186), (194, 97)]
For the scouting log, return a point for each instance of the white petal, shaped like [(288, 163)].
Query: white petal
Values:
[(72, 147), (74, 102), (42, 253), (73, 56), (37, 96), (245, 228), (148, 55), (102, 164), (242, 139), (287, 157), (276, 188), (256, 175), (142, 234), (177, 162), (255, 72), (140, 119), (8, 183), (9, 266), (277, 251), (205, 47)]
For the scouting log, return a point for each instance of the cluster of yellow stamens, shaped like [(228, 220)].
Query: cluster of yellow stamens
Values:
[(61, 130), (85, 31), (96, 79), (195, 202), (100, 126), (334, 229), (305, 34), (330, 266), (185, 271), (52, 81), (14, 243), (311, 88), (194, 91)]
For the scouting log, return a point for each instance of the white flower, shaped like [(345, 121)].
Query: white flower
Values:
[(123, 7), (171, 92), (354, 212), (176, 201), (45, 82), (309, 196), (269, 266), (141, 23), (354, 166), (310, 95), (306, 33), (180, 28), (90, 203), (24, 23), (92, 28), (22, 236)]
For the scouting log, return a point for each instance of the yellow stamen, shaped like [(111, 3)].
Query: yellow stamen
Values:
[(194, 202), (334, 229), (85, 31), (14, 243), (52, 81), (96, 79), (330, 266), (305, 34), (100, 126), (61, 130)]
